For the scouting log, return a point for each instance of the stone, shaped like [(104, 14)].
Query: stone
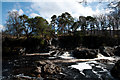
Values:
[(46, 67), (117, 51), (38, 70), (97, 68), (106, 51), (90, 74), (22, 51), (57, 53), (51, 69), (54, 53), (40, 63), (115, 71), (84, 53)]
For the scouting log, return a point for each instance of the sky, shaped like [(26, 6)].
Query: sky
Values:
[(47, 8)]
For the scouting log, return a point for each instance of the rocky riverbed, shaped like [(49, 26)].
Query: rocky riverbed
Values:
[(78, 64)]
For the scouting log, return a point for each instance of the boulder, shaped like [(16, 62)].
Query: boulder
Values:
[(106, 51), (47, 67), (90, 74), (36, 71), (22, 51), (51, 69), (84, 53), (50, 48), (115, 71), (117, 51)]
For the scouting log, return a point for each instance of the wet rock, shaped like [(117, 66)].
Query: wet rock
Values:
[(22, 51), (90, 74), (105, 61), (40, 63), (84, 53), (51, 47), (73, 74), (97, 68), (116, 70), (49, 78), (57, 53), (20, 78), (47, 67), (117, 51), (106, 51), (37, 71)]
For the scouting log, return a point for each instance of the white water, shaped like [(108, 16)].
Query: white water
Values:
[(22, 75), (100, 56), (81, 66), (88, 65), (66, 55)]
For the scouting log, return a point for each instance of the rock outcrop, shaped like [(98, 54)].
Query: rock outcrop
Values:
[(107, 51), (46, 67), (37, 69), (117, 51), (84, 53), (116, 70)]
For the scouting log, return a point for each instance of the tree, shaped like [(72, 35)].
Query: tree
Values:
[(103, 22), (91, 22), (69, 20), (75, 26), (82, 23), (39, 27), (115, 6), (24, 24), (53, 21), (63, 22), (13, 25)]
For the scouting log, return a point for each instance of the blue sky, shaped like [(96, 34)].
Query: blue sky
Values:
[(47, 8)]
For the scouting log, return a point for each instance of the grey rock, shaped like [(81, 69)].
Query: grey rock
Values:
[(47, 67), (116, 70), (84, 53), (106, 51), (117, 50)]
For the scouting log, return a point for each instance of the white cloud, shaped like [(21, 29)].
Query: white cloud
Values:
[(34, 15), (14, 10), (20, 12), (1, 27), (28, 10), (47, 9)]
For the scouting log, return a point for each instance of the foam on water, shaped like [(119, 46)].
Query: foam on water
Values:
[(81, 66), (22, 75), (89, 65), (66, 55)]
